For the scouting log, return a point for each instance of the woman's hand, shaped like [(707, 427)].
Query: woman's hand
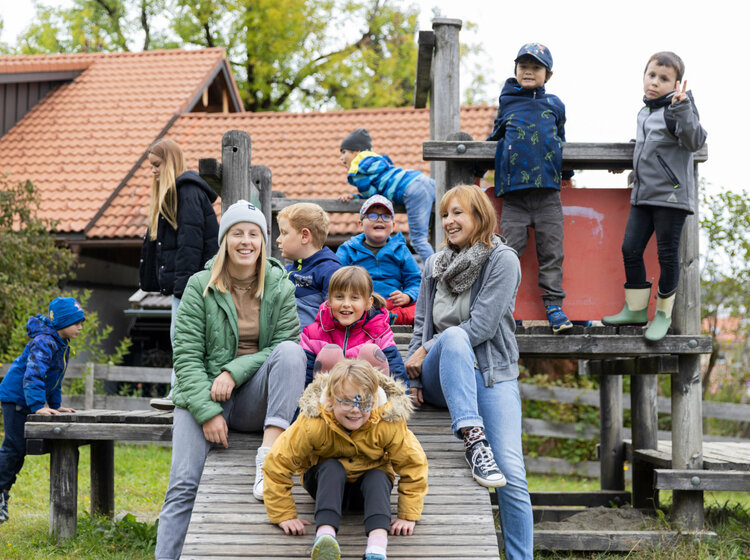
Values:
[(402, 527), (216, 430), (222, 387), (294, 526), (414, 363), (416, 396)]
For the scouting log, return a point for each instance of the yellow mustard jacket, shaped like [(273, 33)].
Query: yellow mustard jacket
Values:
[(384, 443)]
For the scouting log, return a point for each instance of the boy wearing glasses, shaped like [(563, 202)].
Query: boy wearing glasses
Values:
[(395, 274), (350, 440), (373, 174)]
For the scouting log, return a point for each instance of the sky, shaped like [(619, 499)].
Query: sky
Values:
[(600, 50)]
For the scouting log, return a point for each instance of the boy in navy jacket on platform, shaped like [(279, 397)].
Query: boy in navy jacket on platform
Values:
[(529, 130), (33, 384)]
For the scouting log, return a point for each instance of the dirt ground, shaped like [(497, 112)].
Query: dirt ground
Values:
[(603, 518)]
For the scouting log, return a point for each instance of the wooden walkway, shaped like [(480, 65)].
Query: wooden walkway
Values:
[(228, 523)]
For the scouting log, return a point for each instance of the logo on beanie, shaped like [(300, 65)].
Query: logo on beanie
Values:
[(77, 305), (51, 314), (251, 207)]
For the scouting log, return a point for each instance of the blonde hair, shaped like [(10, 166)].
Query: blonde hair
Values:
[(357, 280), (220, 276), (164, 188), (473, 199), (360, 374), (308, 215)]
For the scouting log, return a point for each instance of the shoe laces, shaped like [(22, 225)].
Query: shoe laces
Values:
[(484, 458)]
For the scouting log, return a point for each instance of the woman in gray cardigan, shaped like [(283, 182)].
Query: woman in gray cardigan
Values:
[(463, 354)]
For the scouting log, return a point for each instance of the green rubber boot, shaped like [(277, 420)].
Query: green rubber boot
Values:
[(635, 311), (658, 328)]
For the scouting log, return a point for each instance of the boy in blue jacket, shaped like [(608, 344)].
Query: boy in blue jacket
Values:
[(375, 174), (303, 230), (529, 130), (33, 384), (394, 272)]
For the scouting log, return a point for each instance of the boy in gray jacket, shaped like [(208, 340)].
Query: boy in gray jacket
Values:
[(669, 131)]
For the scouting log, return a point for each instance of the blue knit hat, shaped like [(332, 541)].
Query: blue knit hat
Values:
[(65, 311)]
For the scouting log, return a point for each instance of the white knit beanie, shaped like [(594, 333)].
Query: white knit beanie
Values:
[(242, 211)]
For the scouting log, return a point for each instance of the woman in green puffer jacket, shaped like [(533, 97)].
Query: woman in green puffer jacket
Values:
[(237, 362)]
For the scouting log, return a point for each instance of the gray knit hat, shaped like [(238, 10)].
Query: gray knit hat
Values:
[(242, 211), (357, 141)]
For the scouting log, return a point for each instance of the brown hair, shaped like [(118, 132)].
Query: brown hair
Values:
[(670, 60), (473, 199), (359, 373), (220, 275), (357, 280), (164, 188), (308, 215)]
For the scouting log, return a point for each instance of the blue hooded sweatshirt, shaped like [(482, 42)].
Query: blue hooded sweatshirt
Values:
[(35, 377), (310, 277)]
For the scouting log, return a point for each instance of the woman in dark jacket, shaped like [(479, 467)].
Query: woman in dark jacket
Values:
[(182, 230)]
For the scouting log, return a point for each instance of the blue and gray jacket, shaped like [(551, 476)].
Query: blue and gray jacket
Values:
[(310, 277), (529, 130), (35, 377), (375, 174)]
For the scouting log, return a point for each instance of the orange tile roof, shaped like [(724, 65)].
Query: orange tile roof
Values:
[(301, 149), (80, 142)]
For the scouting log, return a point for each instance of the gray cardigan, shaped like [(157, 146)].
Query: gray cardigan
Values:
[(490, 325)]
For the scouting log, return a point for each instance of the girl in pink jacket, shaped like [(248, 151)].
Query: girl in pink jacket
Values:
[(353, 323)]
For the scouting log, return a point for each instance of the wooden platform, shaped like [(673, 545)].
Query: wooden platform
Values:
[(717, 455), (228, 523)]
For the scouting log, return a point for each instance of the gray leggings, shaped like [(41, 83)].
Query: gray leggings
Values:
[(269, 398)]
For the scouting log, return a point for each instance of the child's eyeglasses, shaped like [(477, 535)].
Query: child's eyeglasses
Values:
[(362, 403), (374, 217)]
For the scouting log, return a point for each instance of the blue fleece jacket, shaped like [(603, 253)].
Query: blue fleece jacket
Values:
[(394, 268), (35, 377), (375, 174), (310, 277), (530, 130)]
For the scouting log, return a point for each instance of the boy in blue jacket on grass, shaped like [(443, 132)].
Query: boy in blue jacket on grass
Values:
[(394, 272), (375, 174), (529, 130), (33, 384)]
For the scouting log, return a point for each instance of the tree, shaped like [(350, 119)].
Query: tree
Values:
[(725, 275), (306, 54)]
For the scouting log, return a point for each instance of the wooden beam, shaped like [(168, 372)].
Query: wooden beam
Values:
[(424, 68), (594, 498), (69, 431), (692, 479), (614, 541), (602, 346)]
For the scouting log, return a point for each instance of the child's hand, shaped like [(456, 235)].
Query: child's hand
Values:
[(402, 527), (346, 197), (63, 409), (294, 526), (46, 410), (566, 184), (399, 299), (680, 96), (416, 396), (615, 171)]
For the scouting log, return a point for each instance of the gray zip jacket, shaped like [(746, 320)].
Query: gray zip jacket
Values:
[(490, 326), (663, 164)]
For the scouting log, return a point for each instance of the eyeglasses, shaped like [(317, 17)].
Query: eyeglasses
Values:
[(362, 403), (374, 217)]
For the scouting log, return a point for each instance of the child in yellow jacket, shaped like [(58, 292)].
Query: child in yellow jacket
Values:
[(350, 440)]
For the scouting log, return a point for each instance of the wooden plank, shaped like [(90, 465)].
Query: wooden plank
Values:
[(576, 155), (121, 431), (424, 67), (591, 346), (613, 541), (594, 498), (696, 479), (63, 490)]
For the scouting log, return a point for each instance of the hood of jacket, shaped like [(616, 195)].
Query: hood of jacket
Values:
[(394, 403), (325, 255), (191, 177), (512, 87), (41, 325)]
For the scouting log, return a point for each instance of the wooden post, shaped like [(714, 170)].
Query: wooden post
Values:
[(235, 168), (445, 101), (103, 477), (88, 399), (459, 172), (63, 489), (260, 179), (644, 416), (687, 413), (612, 452)]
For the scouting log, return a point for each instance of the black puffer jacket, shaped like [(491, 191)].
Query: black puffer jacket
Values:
[(168, 262)]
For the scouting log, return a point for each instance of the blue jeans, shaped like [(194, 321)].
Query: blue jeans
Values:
[(419, 199), (13, 450), (450, 380), (268, 398)]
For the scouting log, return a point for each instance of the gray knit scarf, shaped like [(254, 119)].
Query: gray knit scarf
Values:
[(459, 269)]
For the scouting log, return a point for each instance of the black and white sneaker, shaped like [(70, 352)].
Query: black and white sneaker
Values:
[(3, 506), (483, 466)]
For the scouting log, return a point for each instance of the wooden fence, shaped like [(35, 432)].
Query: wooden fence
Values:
[(95, 374)]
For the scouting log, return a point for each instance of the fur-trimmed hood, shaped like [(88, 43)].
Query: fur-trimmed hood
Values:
[(393, 404)]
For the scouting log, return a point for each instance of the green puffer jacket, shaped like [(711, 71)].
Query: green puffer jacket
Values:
[(206, 337)]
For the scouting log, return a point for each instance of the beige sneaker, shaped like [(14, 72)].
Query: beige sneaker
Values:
[(162, 404)]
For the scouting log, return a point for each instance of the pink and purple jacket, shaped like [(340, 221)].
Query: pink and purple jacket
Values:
[(372, 327)]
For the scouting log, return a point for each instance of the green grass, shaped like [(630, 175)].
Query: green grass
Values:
[(141, 476)]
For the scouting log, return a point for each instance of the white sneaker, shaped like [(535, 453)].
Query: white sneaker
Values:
[(162, 404), (259, 459)]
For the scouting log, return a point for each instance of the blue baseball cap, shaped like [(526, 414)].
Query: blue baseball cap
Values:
[(539, 52)]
